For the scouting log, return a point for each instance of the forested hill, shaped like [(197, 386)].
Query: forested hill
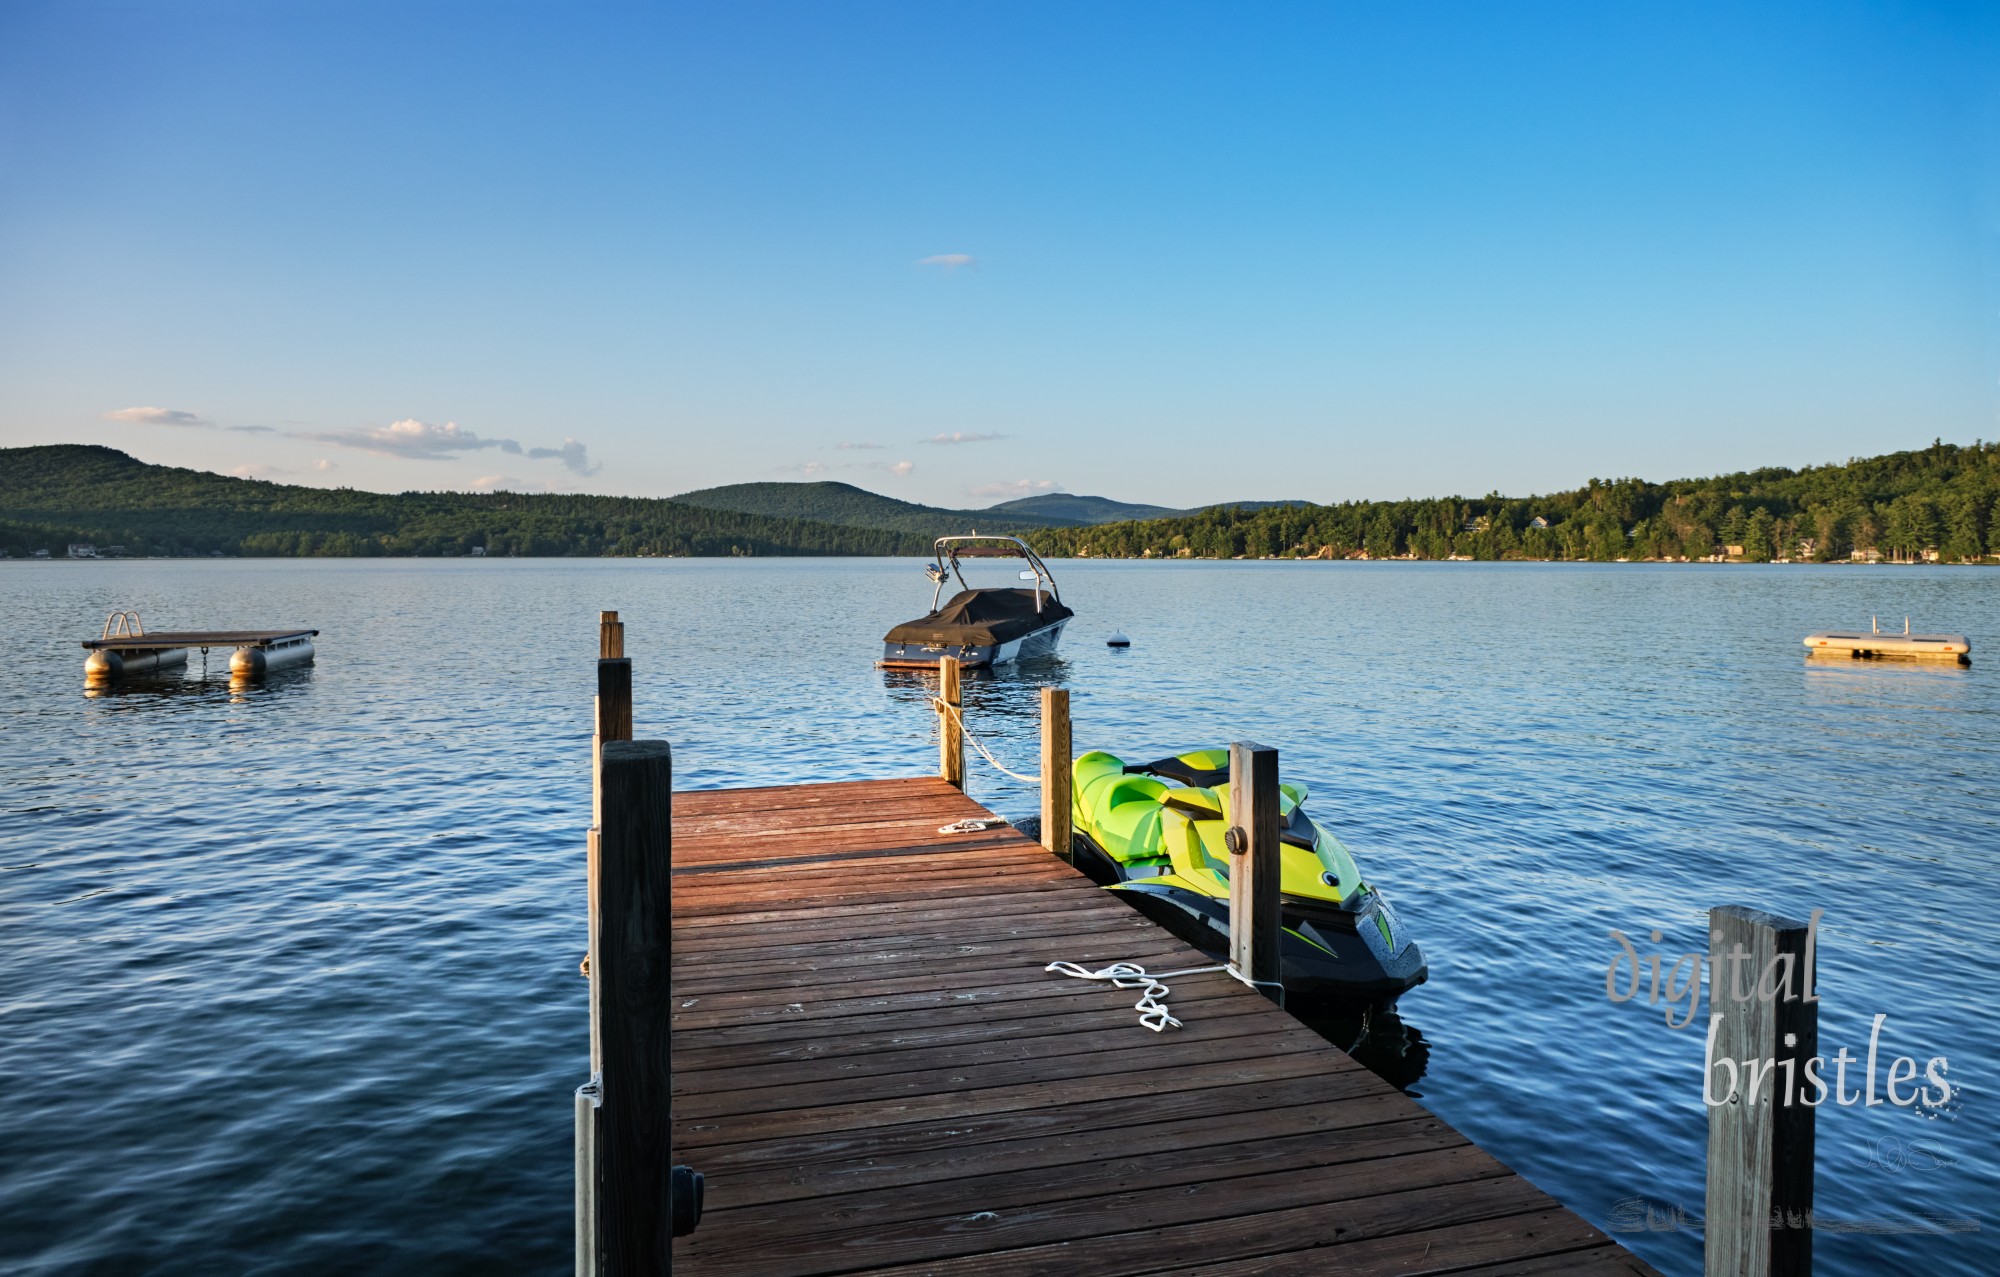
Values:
[(1943, 499), (52, 496), (849, 506)]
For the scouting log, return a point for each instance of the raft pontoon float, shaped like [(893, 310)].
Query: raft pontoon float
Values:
[(126, 648)]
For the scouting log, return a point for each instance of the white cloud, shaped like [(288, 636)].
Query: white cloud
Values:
[(902, 469), (964, 436), (859, 447), (158, 417), (1018, 488), (949, 262), (251, 430), (324, 466), (412, 440), (572, 454)]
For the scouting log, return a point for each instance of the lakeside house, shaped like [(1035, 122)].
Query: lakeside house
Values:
[(83, 550)]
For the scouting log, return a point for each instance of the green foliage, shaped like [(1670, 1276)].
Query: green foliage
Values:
[(1943, 497), (51, 496)]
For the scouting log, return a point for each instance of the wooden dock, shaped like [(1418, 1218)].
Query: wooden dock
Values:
[(875, 1074)]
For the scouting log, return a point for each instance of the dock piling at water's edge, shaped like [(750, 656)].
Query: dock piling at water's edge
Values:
[(1758, 1214), (1057, 829), (951, 723)]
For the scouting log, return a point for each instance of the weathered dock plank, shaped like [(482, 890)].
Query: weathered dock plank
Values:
[(876, 1075)]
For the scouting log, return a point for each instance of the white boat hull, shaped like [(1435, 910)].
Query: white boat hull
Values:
[(1040, 642)]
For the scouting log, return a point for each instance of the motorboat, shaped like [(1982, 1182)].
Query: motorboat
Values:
[(1152, 833), (980, 627)]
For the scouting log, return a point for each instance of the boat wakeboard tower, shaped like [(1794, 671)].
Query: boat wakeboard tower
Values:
[(988, 626)]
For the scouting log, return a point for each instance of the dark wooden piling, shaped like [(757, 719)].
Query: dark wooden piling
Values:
[(1760, 1138), (1254, 864), (632, 971)]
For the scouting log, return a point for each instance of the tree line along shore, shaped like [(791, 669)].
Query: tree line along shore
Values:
[(1940, 503)]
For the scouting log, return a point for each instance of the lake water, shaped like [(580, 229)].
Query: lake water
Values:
[(289, 976)]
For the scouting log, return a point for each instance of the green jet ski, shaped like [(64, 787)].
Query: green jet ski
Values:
[(1152, 832)]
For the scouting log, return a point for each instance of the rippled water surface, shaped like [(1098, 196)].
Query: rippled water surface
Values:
[(289, 974)]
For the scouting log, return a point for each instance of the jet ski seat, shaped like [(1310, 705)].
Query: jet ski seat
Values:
[(1131, 807)]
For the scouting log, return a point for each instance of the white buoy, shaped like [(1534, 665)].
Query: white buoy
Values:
[(1118, 639)]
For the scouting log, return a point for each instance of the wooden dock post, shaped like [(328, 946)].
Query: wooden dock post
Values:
[(951, 729), (631, 968), (611, 720), (614, 723), (1760, 1138), (1056, 777), (612, 714), (1252, 840)]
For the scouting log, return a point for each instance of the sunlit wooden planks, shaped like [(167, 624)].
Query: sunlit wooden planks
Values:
[(876, 1075)]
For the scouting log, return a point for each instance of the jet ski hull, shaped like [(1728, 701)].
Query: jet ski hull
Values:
[(1327, 956)]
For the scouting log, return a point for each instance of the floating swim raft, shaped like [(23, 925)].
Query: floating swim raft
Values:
[(1876, 645), (125, 647)]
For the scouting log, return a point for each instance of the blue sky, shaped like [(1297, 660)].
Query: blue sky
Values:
[(1162, 252)]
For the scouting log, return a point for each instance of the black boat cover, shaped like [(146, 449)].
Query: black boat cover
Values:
[(982, 618)]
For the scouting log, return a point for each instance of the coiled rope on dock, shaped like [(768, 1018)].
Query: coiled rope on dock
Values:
[(1152, 1003)]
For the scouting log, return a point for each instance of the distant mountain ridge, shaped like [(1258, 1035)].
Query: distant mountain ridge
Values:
[(826, 501), (1077, 511), (59, 494), (1935, 503)]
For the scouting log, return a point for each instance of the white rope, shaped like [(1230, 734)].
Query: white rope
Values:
[(1151, 1006), (946, 707)]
